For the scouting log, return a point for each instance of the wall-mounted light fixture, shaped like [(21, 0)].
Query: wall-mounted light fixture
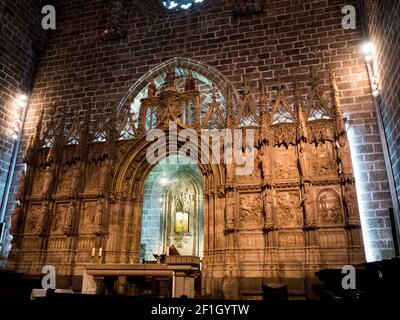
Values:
[(368, 50)]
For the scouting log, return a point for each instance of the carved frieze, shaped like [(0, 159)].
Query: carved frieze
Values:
[(291, 239)]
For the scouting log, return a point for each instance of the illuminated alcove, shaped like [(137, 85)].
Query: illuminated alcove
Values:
[(173, 209)]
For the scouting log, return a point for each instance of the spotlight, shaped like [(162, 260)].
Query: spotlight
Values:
[(368, 50), (22, 100), (14, 136)]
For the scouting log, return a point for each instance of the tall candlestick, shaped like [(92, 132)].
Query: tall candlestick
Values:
[(100, 251), (93, 251)]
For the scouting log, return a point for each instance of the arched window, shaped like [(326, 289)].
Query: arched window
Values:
[(180, 4)]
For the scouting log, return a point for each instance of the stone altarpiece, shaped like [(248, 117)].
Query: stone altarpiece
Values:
[(296, 214)]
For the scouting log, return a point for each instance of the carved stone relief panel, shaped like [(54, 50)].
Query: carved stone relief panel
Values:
[(288, 210), (91, 183), (324, 162), (88, 217), (38, 182), (285, 162), (329, 209), (250, 213), (35, 219), (96, 178), (69, 179), (58, 218)]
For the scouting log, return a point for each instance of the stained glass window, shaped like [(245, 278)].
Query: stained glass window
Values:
[(180, 4)]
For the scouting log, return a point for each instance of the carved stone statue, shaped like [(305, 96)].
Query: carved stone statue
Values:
[(344, 155), (229, 212), (57, 223), (126, 186), (67, 223), (151, 89), (48, 177), (97, 217), (328, 207), (268, 211), (21, 186), (304, 159), (41, 219), (74, 179), (190, 84), (14, 219), (308, 201), (351, 203), (264, 161), (170, 78)]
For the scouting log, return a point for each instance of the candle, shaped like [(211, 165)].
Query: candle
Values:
[(93, 251), (100, 251)]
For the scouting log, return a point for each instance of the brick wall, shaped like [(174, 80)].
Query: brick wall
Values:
[(19, 43), (382, 28), (80, 69)]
